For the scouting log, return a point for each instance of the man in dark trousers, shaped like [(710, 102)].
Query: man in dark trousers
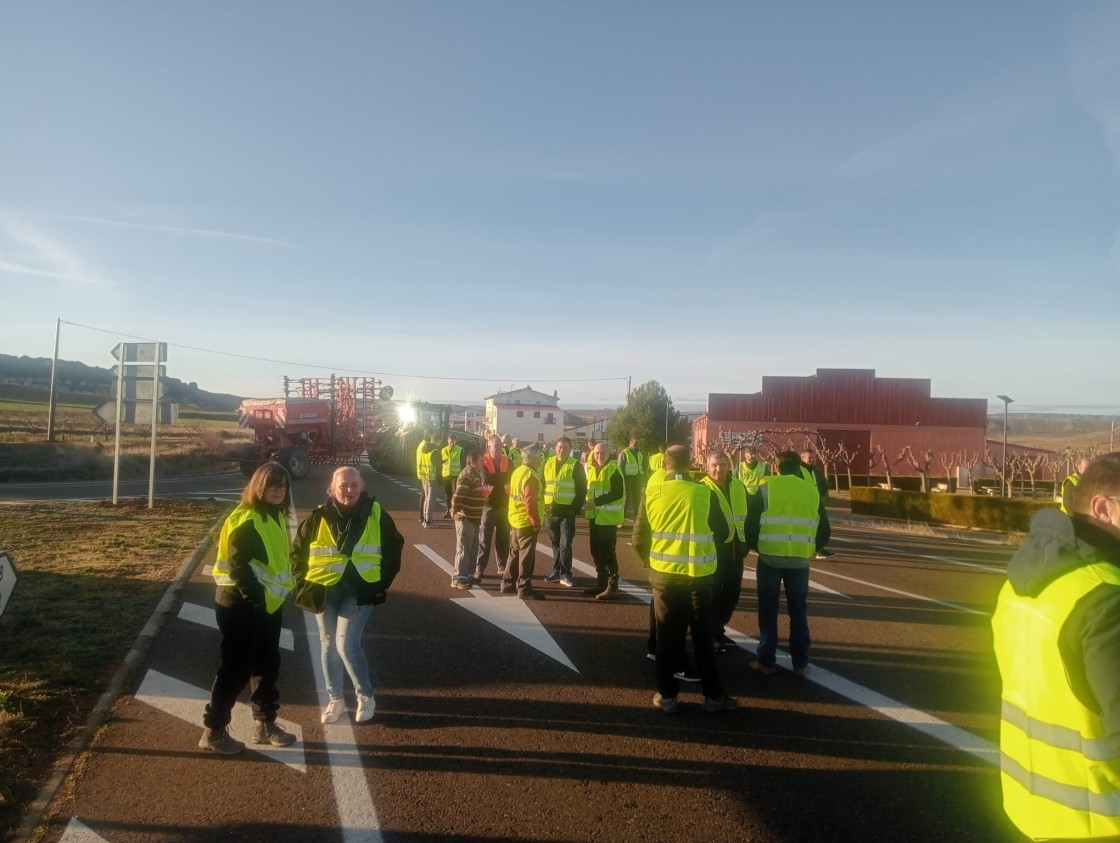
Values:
[(495, 471), (678, 526)]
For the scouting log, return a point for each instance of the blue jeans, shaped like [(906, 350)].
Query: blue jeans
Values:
[(770, 580), (340, 633)]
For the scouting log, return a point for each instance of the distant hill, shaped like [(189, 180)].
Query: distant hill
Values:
[(78, 378)]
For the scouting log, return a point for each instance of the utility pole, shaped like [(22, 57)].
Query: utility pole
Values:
[(52, 401), (1006, 402)]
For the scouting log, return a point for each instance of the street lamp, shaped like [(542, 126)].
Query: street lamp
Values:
[(1003, 479)]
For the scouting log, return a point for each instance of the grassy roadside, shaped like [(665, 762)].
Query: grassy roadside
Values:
[(90, 576)]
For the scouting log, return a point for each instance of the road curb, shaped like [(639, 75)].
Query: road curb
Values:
[(121, 678)]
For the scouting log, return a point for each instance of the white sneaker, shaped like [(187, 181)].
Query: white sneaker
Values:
[(366, 707), (334, 710)]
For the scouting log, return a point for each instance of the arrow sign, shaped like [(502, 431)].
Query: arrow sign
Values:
[(139, 352), (137, 412), (506, 613), (7, 579), (139, 389)]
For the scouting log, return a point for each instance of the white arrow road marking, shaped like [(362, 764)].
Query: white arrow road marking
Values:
[(752, 574), (79, 832), (506, 613), (915, 718), (187, 702), (205, 616)]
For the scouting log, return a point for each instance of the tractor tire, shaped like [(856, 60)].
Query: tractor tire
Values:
[(248, 460), (296, 461)]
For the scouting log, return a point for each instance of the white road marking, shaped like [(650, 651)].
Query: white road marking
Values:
[(752, 574), (507, 613), (356, 813), (204, 616), (187, 702), (79, 832), (942, 559), (912, 596)]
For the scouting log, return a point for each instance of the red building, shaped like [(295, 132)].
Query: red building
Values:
[(866, 414)]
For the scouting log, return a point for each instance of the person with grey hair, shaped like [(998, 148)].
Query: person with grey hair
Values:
[(526, 511)]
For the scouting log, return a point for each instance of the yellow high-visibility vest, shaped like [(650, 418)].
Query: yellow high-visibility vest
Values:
[(518, 510), (1060, 776), (753, 476), (788, 526), (681, 542), (559, 481), (274, 573), (655, 462), (326, 562), (632, 463), (451, 460), (599, 483), (425, 467), (735, 509), (1073, 480)]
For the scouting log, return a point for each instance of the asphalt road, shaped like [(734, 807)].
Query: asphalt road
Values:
[(219, 486), (501, 720)]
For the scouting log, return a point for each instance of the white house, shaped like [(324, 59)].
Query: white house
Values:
[(524, 414)]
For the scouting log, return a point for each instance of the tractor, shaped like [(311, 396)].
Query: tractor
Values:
[(324, 421)]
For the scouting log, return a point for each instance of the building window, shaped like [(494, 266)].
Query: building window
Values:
[(536, 414), (540, 437), (521, 414), (550, 419)]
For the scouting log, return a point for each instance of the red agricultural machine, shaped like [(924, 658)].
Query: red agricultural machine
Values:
[(326, 421)]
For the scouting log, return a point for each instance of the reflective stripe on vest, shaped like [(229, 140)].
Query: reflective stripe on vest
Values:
[(452, 460), (681, 541), (632, 462), (559, 483), (275, 573), (326, 562), (788, 526), (1060, 776), (501, 468), (734, 510), (518, 511), (599, 483)]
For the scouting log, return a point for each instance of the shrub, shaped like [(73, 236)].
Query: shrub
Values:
[(973, 511)]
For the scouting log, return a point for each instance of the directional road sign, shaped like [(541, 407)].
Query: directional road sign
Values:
[(7, 579), (139, 389), (137, 412), (140, 352), (140, 370)]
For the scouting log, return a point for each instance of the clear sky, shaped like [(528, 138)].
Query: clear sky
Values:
[(532, 192)]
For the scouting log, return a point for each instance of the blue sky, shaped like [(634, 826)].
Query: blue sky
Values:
[(698, 193)]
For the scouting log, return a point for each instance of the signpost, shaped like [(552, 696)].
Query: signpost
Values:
[(7, 579), (136, 400)]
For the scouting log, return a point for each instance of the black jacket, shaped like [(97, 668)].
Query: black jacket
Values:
[(310, 595)]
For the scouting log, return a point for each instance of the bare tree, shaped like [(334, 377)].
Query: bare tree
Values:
[(949, 460), (1031, 465), (846, 458), (997, 467), (921, 463), (874, 457)]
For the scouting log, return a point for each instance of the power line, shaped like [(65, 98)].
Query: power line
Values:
[(339, 368)]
